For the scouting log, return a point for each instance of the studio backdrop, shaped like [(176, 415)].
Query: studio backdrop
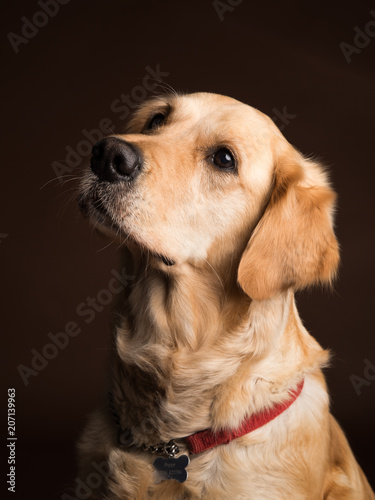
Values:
[(73, 72)]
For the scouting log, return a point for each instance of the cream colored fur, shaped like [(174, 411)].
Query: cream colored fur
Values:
[(216, 337)]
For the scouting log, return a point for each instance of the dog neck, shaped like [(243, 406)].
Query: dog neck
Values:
[(190, 343)]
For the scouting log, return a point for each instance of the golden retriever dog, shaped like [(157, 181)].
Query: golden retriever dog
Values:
[(217, 390)]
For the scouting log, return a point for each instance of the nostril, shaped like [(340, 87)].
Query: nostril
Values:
[(124, 163)]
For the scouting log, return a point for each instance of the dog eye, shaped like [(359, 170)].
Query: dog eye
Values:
[(155, 121), (223, 159)]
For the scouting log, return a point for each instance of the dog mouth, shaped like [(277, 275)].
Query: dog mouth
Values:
[(168, 262), (94, 207)]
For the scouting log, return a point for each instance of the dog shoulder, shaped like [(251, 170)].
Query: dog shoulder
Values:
[(345, 479)]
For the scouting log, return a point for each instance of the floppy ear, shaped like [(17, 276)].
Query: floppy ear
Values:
[(293, 245)]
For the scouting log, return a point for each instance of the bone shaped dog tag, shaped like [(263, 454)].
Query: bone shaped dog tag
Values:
[(171, 468)]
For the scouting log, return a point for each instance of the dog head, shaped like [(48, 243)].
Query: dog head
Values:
[(204, 178)]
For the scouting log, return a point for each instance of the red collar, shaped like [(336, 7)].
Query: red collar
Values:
[(204, 440)]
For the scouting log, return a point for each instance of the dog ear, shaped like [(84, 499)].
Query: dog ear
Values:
[(293, 244)]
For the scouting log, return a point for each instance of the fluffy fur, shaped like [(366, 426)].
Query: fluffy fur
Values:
[(216, 336)]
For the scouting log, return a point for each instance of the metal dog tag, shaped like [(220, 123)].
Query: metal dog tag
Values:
[(171, 468)]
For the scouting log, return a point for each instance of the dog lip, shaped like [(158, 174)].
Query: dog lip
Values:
[(97, 206), (108, 221), (83, 206), (93, 205), (166, 260)]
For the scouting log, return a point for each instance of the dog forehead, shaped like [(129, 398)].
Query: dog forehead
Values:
[(215, 108), (205, 114), (213, 118)]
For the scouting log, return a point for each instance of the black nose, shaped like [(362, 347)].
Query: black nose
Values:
[(114, 160)]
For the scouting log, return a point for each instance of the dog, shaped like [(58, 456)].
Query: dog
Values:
[(217, 390)]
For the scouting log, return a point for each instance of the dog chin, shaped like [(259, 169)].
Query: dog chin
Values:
[(104, 224), (106, 228)]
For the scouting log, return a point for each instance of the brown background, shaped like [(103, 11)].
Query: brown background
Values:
[(64, 80)]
